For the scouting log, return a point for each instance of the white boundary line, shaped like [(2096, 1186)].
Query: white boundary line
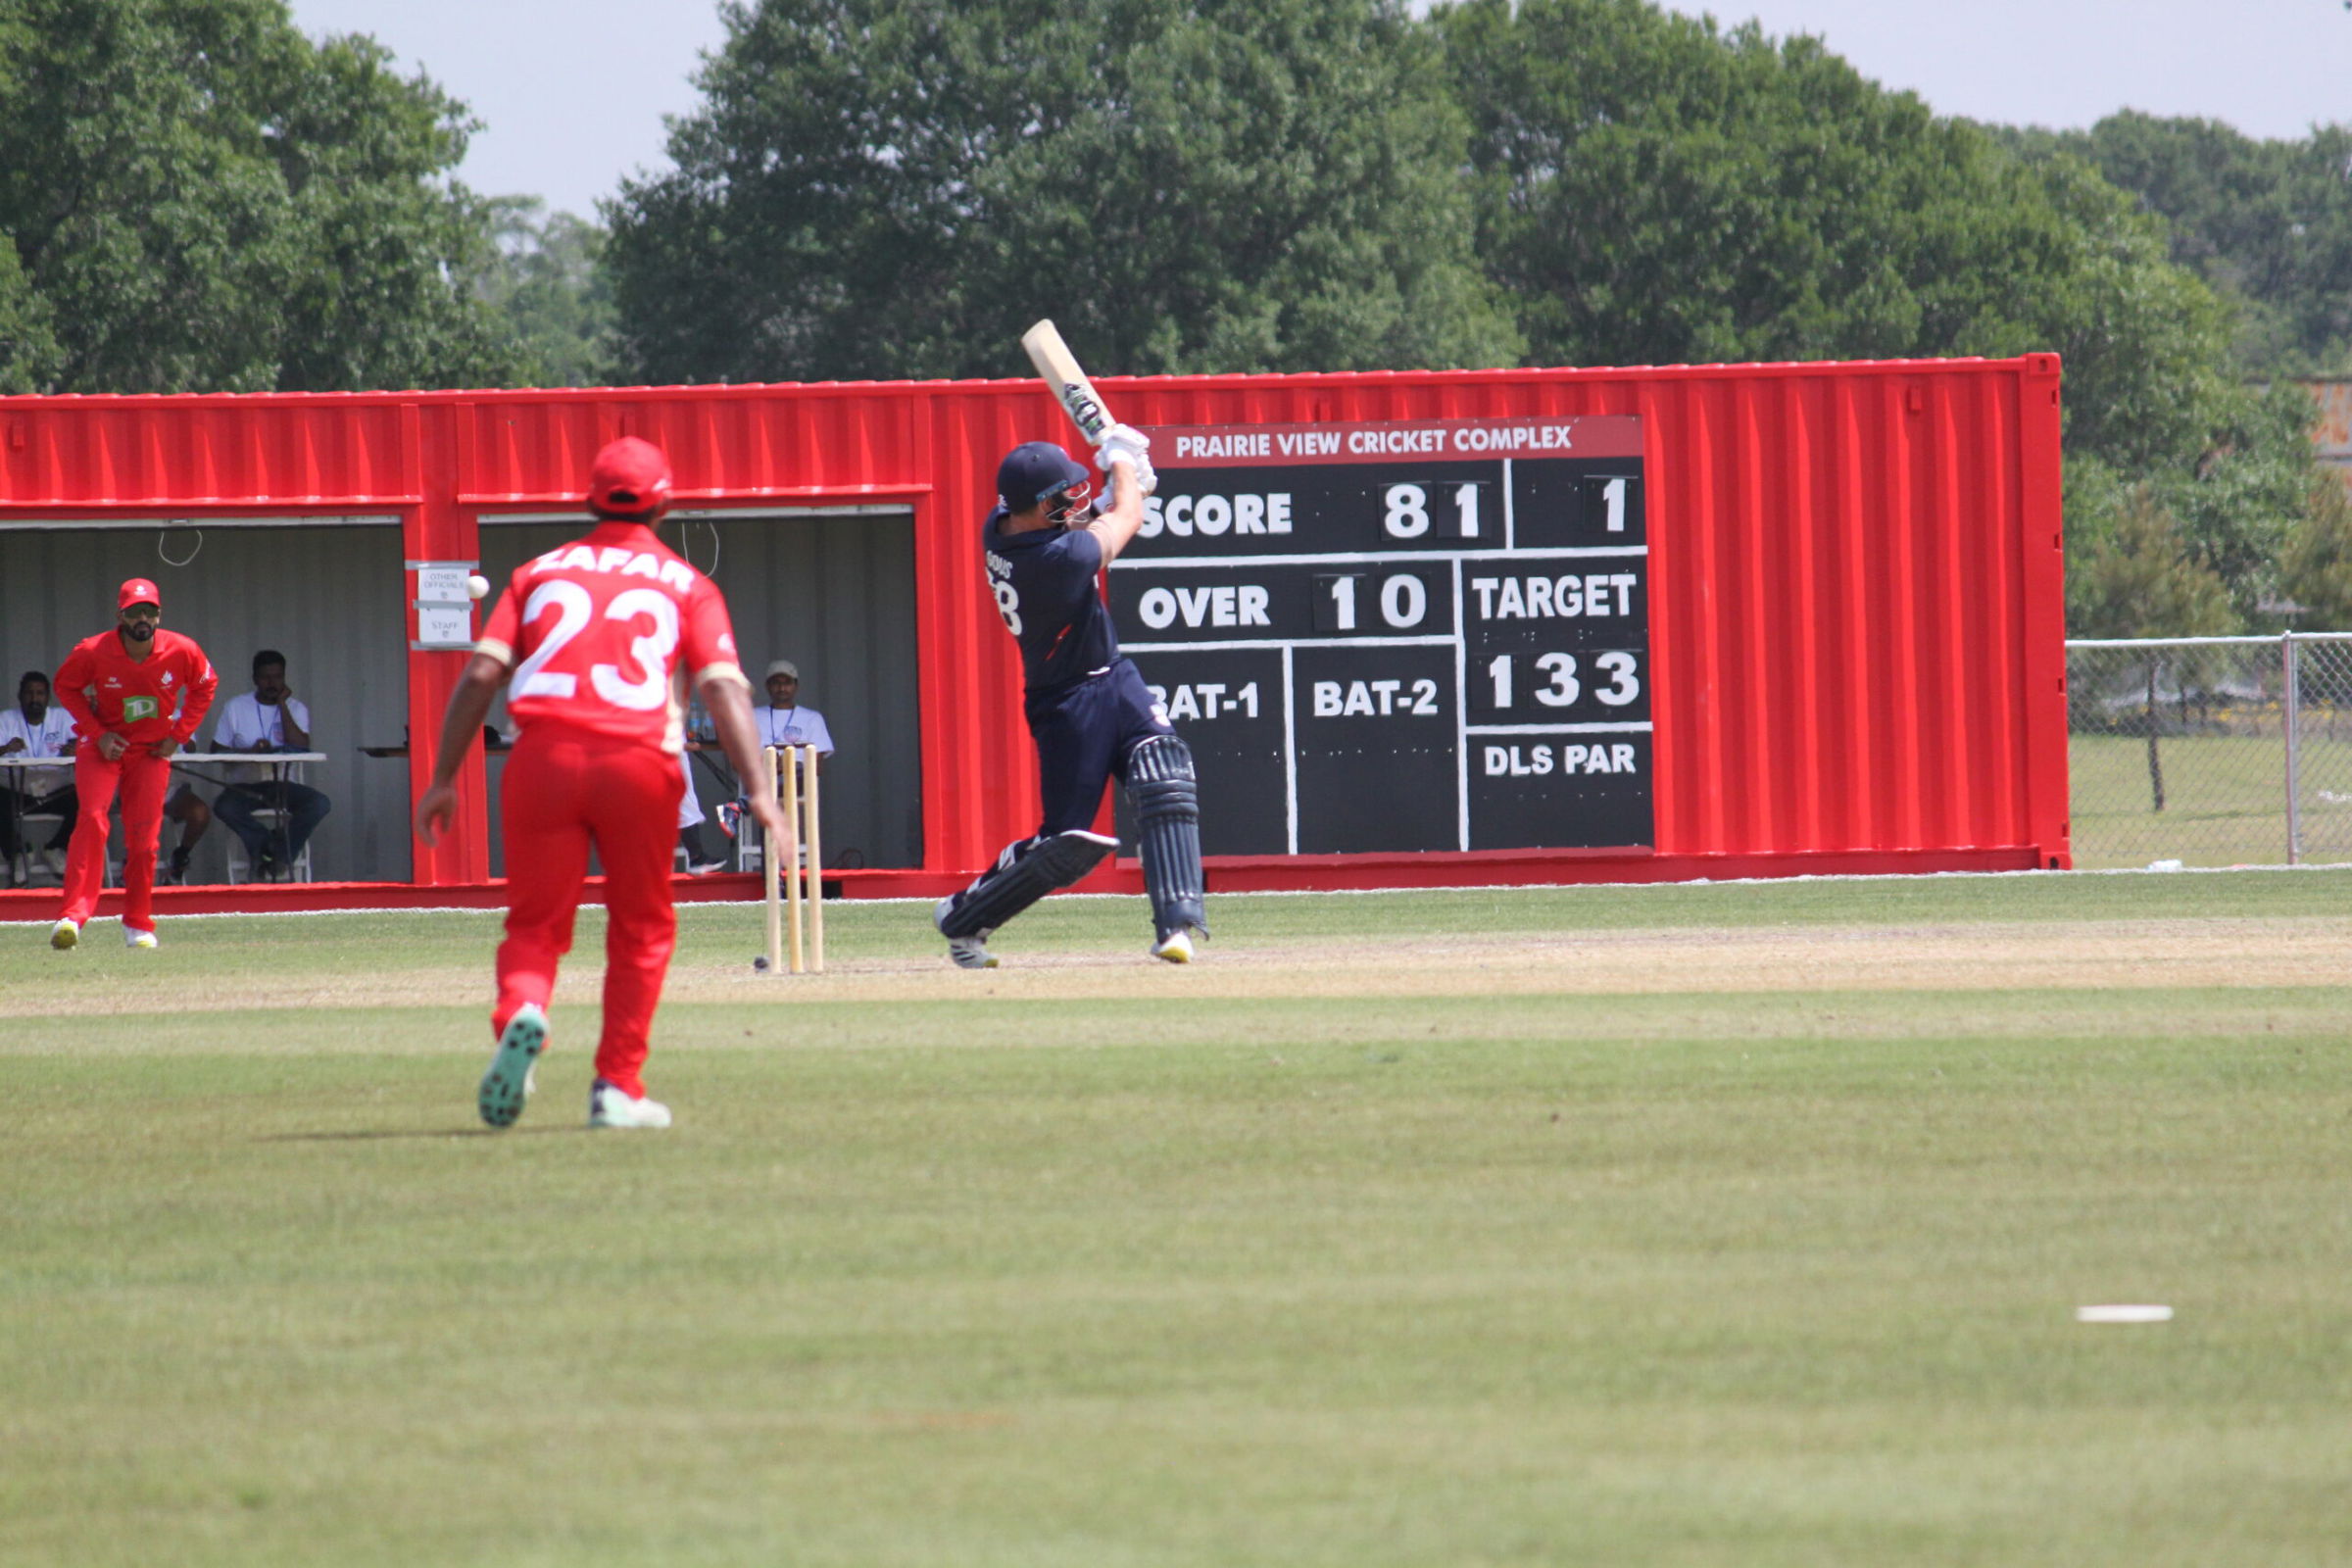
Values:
[(926, 901)]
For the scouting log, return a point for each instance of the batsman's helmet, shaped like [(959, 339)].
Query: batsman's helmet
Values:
[(630, 480), (1035, 472)]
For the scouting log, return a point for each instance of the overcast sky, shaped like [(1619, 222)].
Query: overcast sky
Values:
[(572, 91)]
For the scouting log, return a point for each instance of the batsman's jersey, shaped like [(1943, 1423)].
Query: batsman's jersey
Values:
[(604, 634), (142, 700), (1044, 580)]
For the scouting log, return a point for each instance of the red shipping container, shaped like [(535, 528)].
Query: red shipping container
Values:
[(1855, 632)]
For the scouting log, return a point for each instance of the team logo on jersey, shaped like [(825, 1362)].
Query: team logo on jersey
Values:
[(135, 708), (167, 677)]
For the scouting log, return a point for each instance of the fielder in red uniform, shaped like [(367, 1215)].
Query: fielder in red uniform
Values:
[(594, 636), (136, 694)]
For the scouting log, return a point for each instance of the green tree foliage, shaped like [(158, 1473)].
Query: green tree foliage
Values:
[(196, 197), (2143, 578), (2266, 223), (2315, 570), (897, 188), (2156, 397), (1656, 191), (545, 284), (1653, 190)]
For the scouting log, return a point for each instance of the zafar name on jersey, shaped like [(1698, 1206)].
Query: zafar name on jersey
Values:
[(597, 623)]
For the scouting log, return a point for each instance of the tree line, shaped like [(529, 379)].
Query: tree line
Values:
[(193, 195)]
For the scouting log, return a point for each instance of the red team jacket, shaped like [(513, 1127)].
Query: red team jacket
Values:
[(144, 700), (598, 631)]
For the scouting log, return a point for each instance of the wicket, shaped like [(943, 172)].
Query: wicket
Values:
[(795, 871)]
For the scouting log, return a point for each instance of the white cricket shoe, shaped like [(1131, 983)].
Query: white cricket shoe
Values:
[(65, 933), (968, 953), (613, 1106), (133, 937), (510, 1079), (1174, 948), (971, 953)]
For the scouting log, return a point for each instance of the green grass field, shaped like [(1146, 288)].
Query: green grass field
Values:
[(1697, 1225), (2225, 801)]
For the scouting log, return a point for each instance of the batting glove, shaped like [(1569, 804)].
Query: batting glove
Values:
[(1145, 481), (1124, 441)]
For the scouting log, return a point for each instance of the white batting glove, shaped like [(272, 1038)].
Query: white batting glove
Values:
[(1124, 441), (1145, 481)]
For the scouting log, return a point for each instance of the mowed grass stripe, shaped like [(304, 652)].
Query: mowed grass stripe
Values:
[(1566, 1024), (1693, 1278)]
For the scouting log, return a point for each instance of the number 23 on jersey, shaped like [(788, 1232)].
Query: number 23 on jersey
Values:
[(639, 683)]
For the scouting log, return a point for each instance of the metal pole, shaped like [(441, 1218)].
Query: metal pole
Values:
[(2294, 752)]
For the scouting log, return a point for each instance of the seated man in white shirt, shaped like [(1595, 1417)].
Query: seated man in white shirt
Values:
[(34, 728), (267, 719), (783, 721)]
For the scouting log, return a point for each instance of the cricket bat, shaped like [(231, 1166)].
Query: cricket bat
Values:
[(1059, 367)]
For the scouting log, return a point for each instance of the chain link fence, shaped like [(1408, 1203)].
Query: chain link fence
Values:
[(2211, 751)]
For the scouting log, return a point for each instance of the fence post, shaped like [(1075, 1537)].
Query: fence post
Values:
[(2295, 770)]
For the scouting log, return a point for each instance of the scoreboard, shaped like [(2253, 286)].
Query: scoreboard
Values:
[(1420, 635)]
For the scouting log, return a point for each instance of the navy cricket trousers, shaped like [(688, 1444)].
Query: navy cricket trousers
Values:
[(1084, 734)]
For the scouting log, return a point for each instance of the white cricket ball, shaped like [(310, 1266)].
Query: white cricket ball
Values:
[(477, 585)]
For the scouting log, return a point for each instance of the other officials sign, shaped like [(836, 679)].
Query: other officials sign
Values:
[(1413, 635)]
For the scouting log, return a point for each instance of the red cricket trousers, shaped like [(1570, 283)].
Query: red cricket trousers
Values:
[(143, 780), (565, 790)]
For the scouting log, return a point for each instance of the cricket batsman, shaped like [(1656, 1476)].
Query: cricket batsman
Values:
[(1089, 711), (136, 694), (598, 638)]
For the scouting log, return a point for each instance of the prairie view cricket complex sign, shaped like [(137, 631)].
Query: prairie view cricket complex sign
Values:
[(1427, 635)]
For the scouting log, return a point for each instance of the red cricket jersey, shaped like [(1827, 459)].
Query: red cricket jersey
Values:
[(600, 630), (104, 688)]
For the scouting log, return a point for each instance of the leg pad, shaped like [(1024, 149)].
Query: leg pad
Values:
[(1023, 874), (1168, 818)]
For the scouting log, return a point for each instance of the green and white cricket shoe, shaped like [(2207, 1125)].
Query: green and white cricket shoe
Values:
[(611, 1106), (508, 1082), (133, 937), (63, 935)]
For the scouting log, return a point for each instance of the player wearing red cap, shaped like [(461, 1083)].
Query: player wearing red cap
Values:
[(594, 636), (136, 694)]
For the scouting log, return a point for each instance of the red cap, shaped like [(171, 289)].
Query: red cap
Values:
[(138, 591), (631, 478)]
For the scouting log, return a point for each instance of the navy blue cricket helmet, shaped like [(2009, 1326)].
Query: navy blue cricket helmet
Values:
[(1035, 472)]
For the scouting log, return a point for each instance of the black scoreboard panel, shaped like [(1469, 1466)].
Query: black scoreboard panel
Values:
[(1398, 637)]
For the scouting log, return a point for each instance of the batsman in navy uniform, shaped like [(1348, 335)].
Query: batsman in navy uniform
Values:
[(1091, 714)]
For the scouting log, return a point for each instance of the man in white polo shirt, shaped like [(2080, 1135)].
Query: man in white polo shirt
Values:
[(34, 728), (784, 723), (267, 719)]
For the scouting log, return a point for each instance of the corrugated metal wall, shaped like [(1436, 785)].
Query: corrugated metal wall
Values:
[(1856, 617), (326, 598)]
